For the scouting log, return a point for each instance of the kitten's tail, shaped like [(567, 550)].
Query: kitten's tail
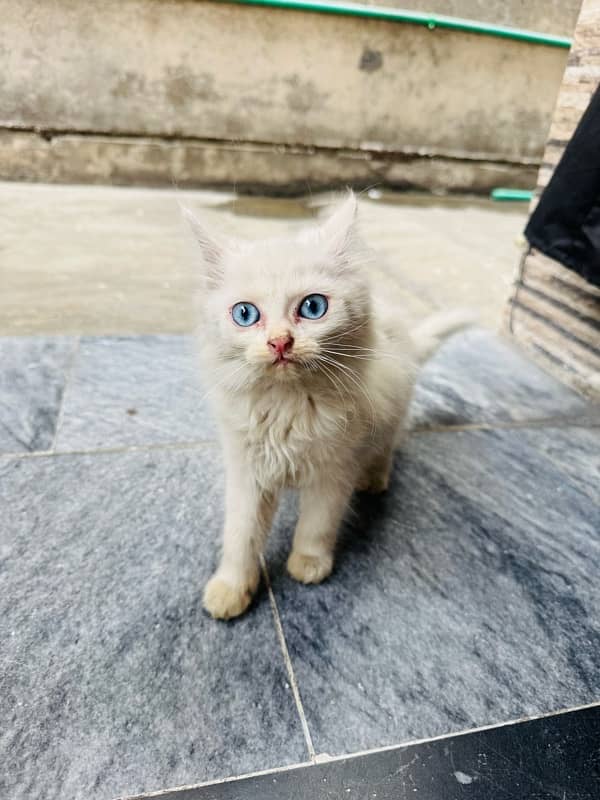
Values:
[(431, 333)]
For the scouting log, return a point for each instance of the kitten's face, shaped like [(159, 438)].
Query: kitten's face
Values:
[(286, 309)]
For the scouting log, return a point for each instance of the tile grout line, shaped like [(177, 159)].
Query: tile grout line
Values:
[(68, 375), (126, 448), (593, 421), (466, 731), (288, 663), (156, 795), (539, 424)]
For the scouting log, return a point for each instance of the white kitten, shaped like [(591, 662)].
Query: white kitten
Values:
[(312, 377)]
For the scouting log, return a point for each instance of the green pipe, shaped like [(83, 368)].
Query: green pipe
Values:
[(511, 194), (431, 21)]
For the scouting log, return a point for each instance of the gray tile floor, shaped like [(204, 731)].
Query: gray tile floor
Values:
[(467, 595), (113, 680), (156, 377), (32, 379)]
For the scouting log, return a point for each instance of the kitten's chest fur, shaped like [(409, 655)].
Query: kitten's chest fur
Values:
[(290, 435)]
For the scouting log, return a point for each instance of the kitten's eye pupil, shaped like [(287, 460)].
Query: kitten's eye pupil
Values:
[(314, 306)]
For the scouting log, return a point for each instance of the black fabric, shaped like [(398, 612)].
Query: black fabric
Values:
[(566, 223)]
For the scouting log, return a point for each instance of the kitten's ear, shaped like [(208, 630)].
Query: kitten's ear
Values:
[(338, 230), (211, 248)]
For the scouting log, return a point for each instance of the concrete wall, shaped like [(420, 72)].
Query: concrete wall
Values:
[(547, 16), (147, 89)]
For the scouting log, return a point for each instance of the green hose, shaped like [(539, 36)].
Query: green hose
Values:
[(431, 21), (508, 195)]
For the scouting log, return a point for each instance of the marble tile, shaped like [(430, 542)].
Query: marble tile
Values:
[(32, 379), (146, 390), (476, 376), (134, 390), (542, 759), (465, 596), (113, 680)]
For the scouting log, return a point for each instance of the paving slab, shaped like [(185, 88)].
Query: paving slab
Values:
[(477, 377), (131, 390), (33, 371), (466, 596), (113, 680), (545, 758), (105, 260), (120, 391)]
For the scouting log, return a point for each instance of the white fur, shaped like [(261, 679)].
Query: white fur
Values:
[(326, 424)]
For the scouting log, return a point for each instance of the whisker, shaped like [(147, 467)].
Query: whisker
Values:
[(219, 383), (347, 331), (355, 378), (348, 355), (360, 350), (329, 375)]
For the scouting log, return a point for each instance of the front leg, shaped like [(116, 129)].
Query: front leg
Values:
[(248, 515), (322, 506)]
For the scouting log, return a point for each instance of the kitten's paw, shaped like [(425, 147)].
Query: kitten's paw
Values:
[(224, 601), (309, 569)]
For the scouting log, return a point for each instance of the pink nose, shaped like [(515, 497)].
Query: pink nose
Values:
[(281, 345)]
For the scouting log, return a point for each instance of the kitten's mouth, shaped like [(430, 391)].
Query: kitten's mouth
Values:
[(283, 361)]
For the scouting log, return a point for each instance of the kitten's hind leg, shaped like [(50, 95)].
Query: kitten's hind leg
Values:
[(248, 516), (322, 506), (375, 477)]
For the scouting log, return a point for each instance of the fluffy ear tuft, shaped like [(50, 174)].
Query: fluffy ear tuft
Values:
[(337, 231), (211, 248)]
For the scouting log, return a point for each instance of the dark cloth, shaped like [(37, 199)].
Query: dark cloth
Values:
[(566, 222)]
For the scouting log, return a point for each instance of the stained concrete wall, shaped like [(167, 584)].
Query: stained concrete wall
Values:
[(165, 81), (548, 16)]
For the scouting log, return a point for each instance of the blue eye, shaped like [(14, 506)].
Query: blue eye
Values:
[(245, 314), (314, 306)]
